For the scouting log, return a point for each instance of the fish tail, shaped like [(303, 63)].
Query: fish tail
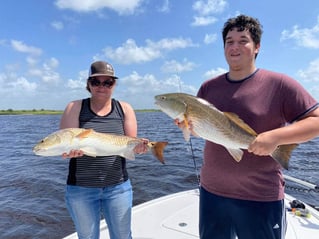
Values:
[(282, 154), (157, 149)]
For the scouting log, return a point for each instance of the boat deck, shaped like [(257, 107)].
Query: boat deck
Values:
[(176, 217)]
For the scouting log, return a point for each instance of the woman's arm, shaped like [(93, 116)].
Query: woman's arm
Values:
[(130, 127), (70, 116), (130, 123), (70, 119)]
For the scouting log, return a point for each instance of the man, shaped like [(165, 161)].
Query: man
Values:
[(245, 199)]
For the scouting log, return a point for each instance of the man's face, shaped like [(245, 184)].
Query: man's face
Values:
[(240, 50)]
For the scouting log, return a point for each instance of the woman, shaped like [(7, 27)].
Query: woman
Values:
[(100, 184)]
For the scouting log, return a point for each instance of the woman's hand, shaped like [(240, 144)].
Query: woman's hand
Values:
[(73, 154), (142, 147)]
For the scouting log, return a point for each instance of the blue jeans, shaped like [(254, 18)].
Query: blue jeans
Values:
[(86, 204), (226, 218)]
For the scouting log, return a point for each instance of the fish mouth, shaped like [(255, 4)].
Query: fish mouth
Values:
[(38, 150), (157, 101)]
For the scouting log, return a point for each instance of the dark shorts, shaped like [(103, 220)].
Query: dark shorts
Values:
[(226, 218)]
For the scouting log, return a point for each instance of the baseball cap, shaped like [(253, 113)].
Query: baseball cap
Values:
[(101, 68)]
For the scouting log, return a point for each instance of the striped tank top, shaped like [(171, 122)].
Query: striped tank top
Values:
[(99, 171)]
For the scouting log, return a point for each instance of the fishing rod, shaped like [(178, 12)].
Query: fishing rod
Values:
[(194, 162), (310, 186), (302, 182), (190, 140)]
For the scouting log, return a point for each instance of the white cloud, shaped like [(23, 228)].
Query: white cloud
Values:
[(203, 21), (76, 84), (214, 72), (130, 52), (148, 86), (17, 86), (136, 82), (50, 76), (31, 61), (24, 84), (35, 72), (209, 7), (4, 81), (121, 7), (165, 7), (210, 38), (205, 11), (311, 74), (80, 83), (170, 43), (177, 67), (304, 37), (53, 62), (57, 25), (310, 78), (47, 73), (21, 47)]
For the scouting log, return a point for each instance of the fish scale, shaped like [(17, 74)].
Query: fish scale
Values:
[(94, 144), (209, 123)]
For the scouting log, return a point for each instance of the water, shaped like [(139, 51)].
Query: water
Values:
[(32, 187)]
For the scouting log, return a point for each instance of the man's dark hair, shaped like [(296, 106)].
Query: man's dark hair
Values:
[(243, 22)]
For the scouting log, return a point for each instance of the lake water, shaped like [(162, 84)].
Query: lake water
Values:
[(32, 187)]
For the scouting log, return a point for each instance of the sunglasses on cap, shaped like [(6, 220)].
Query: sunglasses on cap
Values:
[(107, 83)]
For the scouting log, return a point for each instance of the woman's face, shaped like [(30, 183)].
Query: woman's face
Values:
[(102, 86)]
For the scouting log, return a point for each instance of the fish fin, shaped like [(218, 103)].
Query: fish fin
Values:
[(185, 129), (237, 154), (84, 134), (129, 154), (186, 121), (157, 149), (89, 151), (282, 154), (238, 121)]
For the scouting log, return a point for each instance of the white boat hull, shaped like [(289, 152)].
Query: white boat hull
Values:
[(176, 217)]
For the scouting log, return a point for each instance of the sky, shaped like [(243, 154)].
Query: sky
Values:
[(155, 46)]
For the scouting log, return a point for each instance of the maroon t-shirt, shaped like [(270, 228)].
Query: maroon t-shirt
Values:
[(265, 100)]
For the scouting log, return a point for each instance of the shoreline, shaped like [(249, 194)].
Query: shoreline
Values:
[(50, 112)]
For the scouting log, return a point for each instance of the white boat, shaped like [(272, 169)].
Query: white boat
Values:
[(176, 217)]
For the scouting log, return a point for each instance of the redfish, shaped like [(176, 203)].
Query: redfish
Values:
[(211, 124), (94, 144)]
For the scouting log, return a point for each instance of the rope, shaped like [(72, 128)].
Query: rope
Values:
[(299, 189)]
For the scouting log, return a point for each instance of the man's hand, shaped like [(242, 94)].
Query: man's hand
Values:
[(186, 126), (263, 145)]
